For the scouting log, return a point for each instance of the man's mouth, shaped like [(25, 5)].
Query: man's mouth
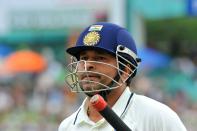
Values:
[(90, 77)]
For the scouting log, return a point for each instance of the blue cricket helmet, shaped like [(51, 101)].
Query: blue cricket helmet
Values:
[(103, 36)]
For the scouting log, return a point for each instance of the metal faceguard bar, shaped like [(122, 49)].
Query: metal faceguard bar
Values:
[(73, 81), (124, 50)]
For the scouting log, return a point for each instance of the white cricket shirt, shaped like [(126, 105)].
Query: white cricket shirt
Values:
[(139, 112)]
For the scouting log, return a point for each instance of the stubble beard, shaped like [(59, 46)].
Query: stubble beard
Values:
[(92, 88)]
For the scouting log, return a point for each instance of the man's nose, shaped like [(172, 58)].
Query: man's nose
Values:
[(89, 65)]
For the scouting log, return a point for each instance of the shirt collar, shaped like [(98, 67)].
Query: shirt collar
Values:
[(118, 107), (122, 102), (82, 116)]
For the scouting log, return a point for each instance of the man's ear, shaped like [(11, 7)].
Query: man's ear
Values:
[(127, 70)]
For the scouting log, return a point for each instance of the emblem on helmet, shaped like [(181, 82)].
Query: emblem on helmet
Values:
[(92, 38)]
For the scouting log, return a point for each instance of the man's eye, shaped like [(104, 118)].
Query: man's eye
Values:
[(83, 58), (101, 58)]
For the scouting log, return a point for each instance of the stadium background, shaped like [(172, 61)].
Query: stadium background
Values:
[(34, 97)]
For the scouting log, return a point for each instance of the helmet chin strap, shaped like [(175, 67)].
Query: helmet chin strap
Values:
[(106, 92)]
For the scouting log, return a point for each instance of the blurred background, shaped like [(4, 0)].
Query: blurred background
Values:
[(34, 35)]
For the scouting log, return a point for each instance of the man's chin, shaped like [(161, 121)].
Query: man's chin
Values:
[(91, 90), (90, 94)]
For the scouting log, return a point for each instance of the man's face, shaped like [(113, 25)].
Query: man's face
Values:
[(95, 68)]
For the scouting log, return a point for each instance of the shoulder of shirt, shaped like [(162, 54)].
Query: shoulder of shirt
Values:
[(152, 106), (67, 121), (157, 112), (70, 120)]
